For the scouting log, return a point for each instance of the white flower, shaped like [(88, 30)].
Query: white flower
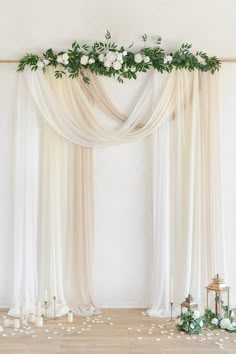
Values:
[(196, 315), (65, 56), (59, 59), (138, 58), (65, 62), (91, 61), (179, 322), (215, 321), (146, 59), (117, 65), (111, 57), (225, 323), (133, 68), (119, 57), (184, 310), (167, 59), (124, 53), (107, 63), (126, 68), (101, 57), (192, 326), (45, 61), (40, 64), (201, 60), (84, 60), (201, 323)]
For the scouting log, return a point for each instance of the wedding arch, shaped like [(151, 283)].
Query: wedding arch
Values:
[(56, 133)]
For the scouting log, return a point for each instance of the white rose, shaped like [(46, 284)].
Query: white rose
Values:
[(146, 59), (45, 61), (84, 60), (40, 64), (184, 310), (124, 53), (65, 62), (107, 63), (133, 68), (179, 322), (117, 65), (91, 61), (225, 323), (101, 57), (65, 56), (138, 58), (168, 59), (196, 315), (192, 326), (215, 321), (201, 323), (59, 59)]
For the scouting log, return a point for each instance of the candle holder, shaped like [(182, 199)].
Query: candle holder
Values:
[(171, 311), (54, 306), (46, 310)]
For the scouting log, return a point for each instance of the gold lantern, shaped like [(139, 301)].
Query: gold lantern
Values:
[(219, 287), (189, 303)]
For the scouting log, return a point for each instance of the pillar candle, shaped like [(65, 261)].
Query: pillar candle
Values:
[(39, 321), (16, 323), (46, 296), (70, 316)]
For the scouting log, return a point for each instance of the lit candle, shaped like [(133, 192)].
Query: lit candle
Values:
[(172, 290), (16, 323), (6, 322), (39, 321), (70, 316)]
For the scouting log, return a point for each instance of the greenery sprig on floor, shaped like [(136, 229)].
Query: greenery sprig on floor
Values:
[(109, 59)]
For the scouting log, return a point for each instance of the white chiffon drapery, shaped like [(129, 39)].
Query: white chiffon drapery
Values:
[(57, 129)]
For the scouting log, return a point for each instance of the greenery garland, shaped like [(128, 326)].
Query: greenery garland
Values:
[(109, 59), (189, 321), (227, 321)]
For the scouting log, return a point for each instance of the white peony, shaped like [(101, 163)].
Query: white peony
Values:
[(167, 59), (40, 64), (107, 63), (124, 53), (84, 60), (225, 323), (184, 310), (133, 68), (146, 59), (117, 65), (192, 326), (138, 58), (66, 62), (215, 321), (201, 323), (45, 61), (101, 57), (179, 322), (65, 56), (111, 57), (59, 59), (119, 57), (196, 315), (91, 61)]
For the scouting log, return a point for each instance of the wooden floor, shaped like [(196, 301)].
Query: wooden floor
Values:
[(114, 331)]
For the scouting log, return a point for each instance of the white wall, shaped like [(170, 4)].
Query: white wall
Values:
[(122, 173)]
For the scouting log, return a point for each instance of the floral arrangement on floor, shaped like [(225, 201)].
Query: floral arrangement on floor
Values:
[(109, 59), (226, 321), (189, 321)]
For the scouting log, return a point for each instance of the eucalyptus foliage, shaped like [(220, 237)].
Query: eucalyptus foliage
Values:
[(226, 321), (189, 321), (108, 59)]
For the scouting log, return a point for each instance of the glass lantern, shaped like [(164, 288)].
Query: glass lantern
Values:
[(189, 303), (221, 291)]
